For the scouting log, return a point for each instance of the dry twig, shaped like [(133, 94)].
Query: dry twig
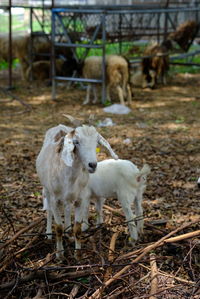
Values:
[(154, 276), (146, 250)]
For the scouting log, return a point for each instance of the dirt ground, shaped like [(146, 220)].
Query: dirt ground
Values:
[(163, 130)]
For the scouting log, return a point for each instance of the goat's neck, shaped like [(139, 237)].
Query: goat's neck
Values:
[(77, 167)]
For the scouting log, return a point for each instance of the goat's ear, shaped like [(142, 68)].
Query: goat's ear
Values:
[(105, 143), (60, 145), (59, 135), (68, 148)]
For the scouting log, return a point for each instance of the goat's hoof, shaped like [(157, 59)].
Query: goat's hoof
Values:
[(60, 256), (77, 254), (132, 241), (84, 227), (140, 232)]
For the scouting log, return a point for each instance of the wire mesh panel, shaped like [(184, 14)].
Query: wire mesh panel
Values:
[(70, 29), (125, 25)]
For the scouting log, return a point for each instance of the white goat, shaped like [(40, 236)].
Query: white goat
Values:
[(121, 179), (138, 79), (117, 76), (63, 165)]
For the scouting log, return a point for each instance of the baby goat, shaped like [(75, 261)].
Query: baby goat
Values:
[(63, 165), (121, 179)]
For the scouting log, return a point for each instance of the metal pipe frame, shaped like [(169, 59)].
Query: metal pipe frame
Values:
[(58, 14), (107, 10)]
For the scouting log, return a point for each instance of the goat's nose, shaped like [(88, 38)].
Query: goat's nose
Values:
[(92, 165)]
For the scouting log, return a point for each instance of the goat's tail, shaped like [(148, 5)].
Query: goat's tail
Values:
[(143, 173)]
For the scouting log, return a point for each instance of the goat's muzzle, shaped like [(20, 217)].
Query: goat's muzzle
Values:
[(92, 167), (198, 182)]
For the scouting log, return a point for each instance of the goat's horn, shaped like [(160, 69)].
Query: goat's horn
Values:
[(91, 119), (105, 143), (76, 122)]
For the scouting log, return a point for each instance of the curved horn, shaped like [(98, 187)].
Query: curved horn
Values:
[(105, 143), (76, 122)]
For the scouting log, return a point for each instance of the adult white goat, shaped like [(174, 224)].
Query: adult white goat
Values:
[(120, 179), (63, 165)]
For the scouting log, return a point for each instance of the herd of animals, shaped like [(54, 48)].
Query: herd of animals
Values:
[(119, 77), (67, 164)]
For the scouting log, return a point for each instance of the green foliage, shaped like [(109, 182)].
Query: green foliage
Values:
[(4, 64)]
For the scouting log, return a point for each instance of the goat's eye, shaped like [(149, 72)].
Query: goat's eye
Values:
[(76, 142)]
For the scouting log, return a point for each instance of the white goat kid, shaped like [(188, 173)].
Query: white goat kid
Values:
[(121, 179), (63, 165)]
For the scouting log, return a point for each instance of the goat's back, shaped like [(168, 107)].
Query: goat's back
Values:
[(53, 132), (117, 69), (92, 67), (112, 175)]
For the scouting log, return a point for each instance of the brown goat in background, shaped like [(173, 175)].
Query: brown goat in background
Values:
[(185, 34), (156, 60)]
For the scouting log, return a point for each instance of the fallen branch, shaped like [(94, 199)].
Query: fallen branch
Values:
[(118, 212), (111, 255), (112, 247), (183, 237), (51, 276), (19, 252), (74, 291), (146, 250), (16, 98), (154, 276), (161, 273), (23, 230), (8, 258)]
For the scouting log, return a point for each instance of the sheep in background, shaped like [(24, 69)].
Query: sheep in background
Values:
[(41, 70), (19, 49), (63, 165), (117, 76), (138, 79), (157, 60), (120, 179), (185, 34), (41, 51)]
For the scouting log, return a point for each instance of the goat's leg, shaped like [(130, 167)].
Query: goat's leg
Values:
[(120, 94), (81, 206), (164, 79), (49, 224), (85, 224), (139, 213), (67, 215), (87, 100), (47, 207), (108, 92), (95, 94), (129, 94), (130, 217), (99, 202), (85, 204), (59, 229)]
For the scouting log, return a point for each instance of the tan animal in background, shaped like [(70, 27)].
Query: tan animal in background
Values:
[(117, 76)]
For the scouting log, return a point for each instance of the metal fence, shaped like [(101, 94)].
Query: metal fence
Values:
[(138, 22)]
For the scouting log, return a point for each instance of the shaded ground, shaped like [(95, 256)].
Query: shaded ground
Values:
[(164, 131)]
